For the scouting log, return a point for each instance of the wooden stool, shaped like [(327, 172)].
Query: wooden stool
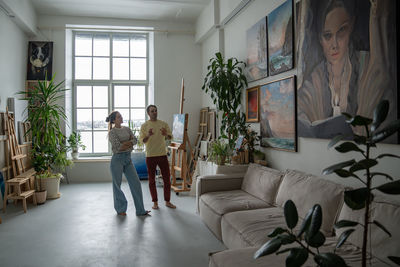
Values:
[(16, 183)]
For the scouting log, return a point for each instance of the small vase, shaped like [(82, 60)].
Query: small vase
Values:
[(75, 155)]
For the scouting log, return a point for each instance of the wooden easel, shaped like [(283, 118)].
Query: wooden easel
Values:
[(179, 160)]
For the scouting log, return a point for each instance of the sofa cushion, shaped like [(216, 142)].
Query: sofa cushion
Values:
[(306, 190), (262, 182), (250, 228), (215, 204), (387, 212)]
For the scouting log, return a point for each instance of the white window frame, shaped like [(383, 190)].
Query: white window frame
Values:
[(109, 83)]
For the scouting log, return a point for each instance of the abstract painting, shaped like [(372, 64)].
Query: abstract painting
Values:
[(257, 61), (178, 127), (278, 114), (280, 38), (346, 62), (252, 104)]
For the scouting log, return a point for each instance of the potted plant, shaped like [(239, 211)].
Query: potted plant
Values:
[(225, 82), (74, 141), (218, 151), (46, 115)]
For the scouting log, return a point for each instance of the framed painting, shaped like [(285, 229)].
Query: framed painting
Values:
[(40, 61), (354, 82), (179, 125), (280, 38), (252, 102), (257, 60), (278, 114)]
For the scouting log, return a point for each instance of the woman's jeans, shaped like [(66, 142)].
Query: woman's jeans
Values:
[(122, 163)]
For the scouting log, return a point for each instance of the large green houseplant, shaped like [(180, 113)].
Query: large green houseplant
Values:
[(225, 82), (46, 116), (309, 236)]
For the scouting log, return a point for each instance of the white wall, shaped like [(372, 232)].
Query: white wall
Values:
[(13, 54), (312, 155)]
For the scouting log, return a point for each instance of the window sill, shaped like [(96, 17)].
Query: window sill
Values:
[(92, 159)]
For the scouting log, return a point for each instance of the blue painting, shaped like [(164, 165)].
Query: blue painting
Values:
[(178, 128), (280, 38), (277, 114), (257, 61)]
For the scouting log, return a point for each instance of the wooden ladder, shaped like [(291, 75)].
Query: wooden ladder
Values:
[(22, 178)]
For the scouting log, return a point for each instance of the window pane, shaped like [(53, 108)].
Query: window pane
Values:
[(100, 96), (99, 119), (120, 46), (101, 45), (121, 96), (84, 119), (138, 115), (138, 96), (100, 142), (84, 96), (83, 45), (125, 115), (86, 138), (83, 68), (138, 46), (138, 69), (120, 68), (101, 68)]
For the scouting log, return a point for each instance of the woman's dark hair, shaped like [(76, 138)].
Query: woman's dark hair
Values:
[(111, 119)]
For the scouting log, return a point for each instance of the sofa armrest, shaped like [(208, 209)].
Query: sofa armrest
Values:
[(217, 182)]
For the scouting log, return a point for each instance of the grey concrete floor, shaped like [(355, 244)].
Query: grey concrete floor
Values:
[(82, 229)]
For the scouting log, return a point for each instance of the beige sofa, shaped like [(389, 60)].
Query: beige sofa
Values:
[(242, 209)]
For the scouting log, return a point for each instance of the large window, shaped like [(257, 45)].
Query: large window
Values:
[(110, 73)]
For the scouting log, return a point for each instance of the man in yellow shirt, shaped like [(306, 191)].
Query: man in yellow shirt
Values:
[(153, 134)]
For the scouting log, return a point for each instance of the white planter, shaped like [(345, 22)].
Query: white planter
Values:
[(52, 186), (75, 155)]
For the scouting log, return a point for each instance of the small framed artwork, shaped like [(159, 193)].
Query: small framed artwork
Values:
[(280, 38), (252, 102), (278, 114), (178, 128), (40, 61)]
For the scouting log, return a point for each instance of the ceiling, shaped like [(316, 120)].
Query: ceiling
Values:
[(163, 10)]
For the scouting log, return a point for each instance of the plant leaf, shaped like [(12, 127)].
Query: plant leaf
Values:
[(363, 165), (390, 129), (343, 237), (287, 239), (382, 227), (360, 121), (316, 221), (317, 240), (283, 251), (268, 248), (387, 155), (335, 140), (380, 113), (392, 188), (372, 174), (395, 259), (338, 166), (296, 257), (305, 223), (347, 147), (355, 199), (276, 232), (345, 173), (329, 260), (345, 223), (290, 213), (360, 140)]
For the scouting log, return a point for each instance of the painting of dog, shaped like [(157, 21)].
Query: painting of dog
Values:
[(40, 60)]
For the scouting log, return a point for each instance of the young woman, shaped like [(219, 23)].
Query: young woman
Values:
[(122, 141)]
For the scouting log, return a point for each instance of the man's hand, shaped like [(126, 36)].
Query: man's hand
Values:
[(150, 133), (165, 133)]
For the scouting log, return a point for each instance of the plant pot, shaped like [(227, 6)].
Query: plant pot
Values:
[(221, 160), (52, 186), (41, 197), (75, 155)]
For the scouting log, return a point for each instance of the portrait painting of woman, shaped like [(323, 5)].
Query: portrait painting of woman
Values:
[(346, 63)]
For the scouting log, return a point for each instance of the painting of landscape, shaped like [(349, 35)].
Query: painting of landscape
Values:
[(257, 61)]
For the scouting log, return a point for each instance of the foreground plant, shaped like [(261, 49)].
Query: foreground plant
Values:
[(309, 238), (361, 198)]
